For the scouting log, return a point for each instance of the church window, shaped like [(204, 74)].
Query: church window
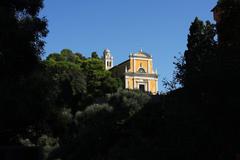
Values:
[(109, 64), (141, 70)]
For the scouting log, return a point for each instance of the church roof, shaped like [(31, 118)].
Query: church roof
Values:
[(107, 50), (123, 63), (141, 54)]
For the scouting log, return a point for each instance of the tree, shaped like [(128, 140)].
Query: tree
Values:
[(54, 57), (80, 56), (25, 106), (94, 55), (127, 103), (99, 81), (69, 83), (199, 60), (180, 70), (66, 55), (178, 76), (23, 88), (21, 36), (100, 126), (201, 46)]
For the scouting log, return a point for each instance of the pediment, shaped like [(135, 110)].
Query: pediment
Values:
[(142, 54)]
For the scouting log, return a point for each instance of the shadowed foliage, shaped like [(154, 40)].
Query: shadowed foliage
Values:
[(68, 107)]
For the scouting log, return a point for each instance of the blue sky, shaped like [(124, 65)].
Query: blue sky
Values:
[(158, 27)]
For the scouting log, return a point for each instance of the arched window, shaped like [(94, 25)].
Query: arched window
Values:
[(109, 64), (141, 70)]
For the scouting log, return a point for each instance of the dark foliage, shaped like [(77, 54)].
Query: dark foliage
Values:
[(21, 33), (98, 127), (21, 44), (94, 55), (69, 106)]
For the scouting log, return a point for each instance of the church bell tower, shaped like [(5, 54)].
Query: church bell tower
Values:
[(108, 59)]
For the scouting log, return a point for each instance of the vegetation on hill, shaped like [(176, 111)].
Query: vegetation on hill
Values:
[(72, 108)]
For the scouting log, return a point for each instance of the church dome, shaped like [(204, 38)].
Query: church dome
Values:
[(107, 51)]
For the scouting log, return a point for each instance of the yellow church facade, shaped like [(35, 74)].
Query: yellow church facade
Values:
[(137, 72)]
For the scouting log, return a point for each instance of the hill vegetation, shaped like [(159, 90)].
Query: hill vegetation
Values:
[(68, 107)]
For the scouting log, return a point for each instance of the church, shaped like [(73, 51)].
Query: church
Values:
[(137, 72)]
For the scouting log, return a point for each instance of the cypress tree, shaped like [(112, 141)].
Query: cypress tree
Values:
[(200, 52)]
